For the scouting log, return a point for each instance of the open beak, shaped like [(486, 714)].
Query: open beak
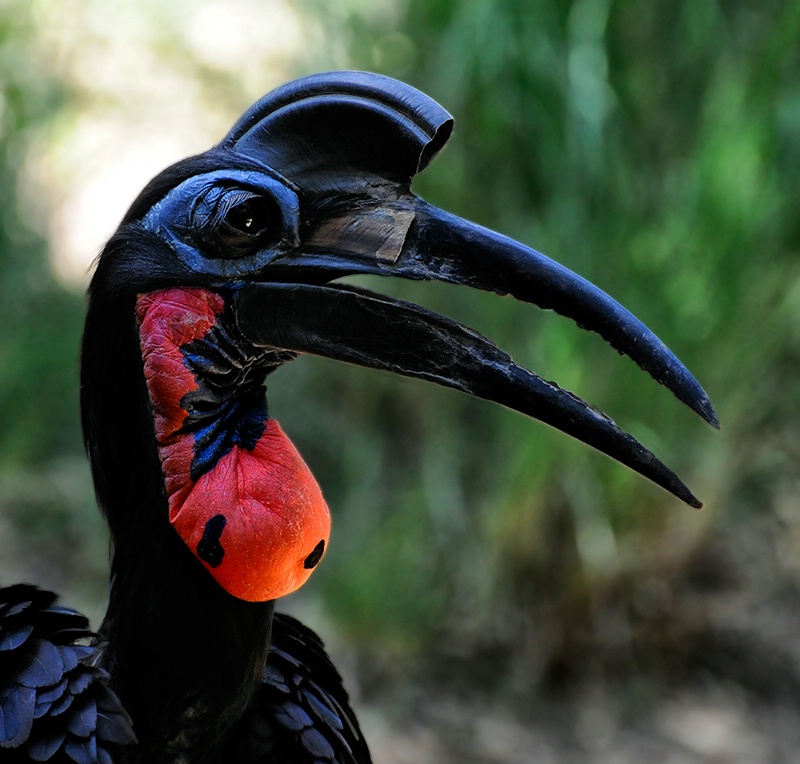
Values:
[(406, 237), (351, 143)]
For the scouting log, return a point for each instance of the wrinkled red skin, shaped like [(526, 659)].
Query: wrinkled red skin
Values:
[(275, 515)]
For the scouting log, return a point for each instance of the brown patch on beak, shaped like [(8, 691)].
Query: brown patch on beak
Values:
[(377, 232)]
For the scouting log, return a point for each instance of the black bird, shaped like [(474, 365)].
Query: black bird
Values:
[(223, 269)]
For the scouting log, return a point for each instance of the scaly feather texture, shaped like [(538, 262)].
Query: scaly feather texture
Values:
[(301, 713), (55, 705)]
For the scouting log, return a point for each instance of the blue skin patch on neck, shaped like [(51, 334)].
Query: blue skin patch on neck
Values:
[(229, 406)]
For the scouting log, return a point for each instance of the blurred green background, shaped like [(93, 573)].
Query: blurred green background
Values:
[(488, 578)]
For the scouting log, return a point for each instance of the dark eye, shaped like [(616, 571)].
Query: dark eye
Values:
[(235, 221), (246, 213)]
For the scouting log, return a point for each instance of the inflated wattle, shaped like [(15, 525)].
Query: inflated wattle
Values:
[(240, 495)]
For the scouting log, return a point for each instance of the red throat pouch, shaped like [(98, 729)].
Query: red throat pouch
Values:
[(252, 512)]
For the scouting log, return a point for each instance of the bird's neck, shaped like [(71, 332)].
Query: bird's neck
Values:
[(185, 657)]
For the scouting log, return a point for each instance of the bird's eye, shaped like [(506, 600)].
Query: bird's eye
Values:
[(236, 221), (245, 213)]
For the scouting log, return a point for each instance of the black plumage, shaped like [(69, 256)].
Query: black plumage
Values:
[(223, 269), (301, 712), (55, 705)]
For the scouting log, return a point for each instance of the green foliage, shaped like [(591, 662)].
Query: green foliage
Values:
[(40, 321), (49, 530), (653, 148)]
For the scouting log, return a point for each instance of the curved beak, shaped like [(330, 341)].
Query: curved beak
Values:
[(403, 236)]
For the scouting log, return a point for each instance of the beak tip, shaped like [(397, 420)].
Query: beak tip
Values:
[(703, 406), (687, 389), (681, 491), (712, 419)]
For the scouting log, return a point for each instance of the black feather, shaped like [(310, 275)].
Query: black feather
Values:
[(17, 708), (81, 750), (83, 718), (45, 745), (11, 639), (317, 744), (44, 666), (49, 694), (293, 719)]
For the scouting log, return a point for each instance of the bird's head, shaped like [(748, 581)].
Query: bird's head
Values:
[(225, 267)]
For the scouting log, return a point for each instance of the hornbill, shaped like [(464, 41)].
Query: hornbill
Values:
[(225, 267)]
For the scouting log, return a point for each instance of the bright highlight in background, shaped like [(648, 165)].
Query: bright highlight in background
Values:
[(152, 83)]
